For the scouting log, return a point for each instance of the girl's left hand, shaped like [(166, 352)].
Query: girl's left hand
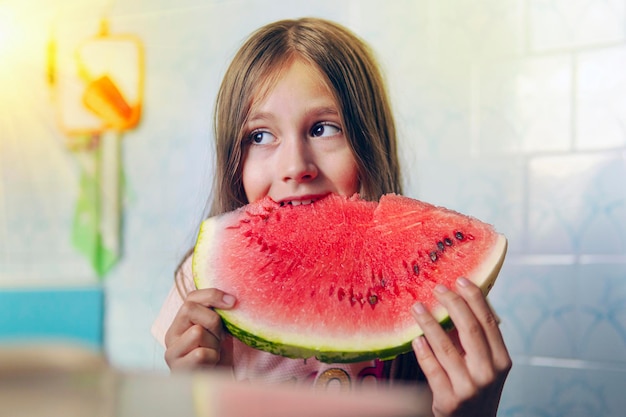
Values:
[(466, 375)]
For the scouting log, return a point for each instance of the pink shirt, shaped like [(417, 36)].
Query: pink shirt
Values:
[(254, 365)]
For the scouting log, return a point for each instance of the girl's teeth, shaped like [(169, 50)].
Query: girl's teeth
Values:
[(299, 202)]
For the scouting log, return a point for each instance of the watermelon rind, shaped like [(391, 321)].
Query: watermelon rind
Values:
[(328, 356), (331, 350)]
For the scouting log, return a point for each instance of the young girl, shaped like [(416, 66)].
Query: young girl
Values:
[(302, 112)]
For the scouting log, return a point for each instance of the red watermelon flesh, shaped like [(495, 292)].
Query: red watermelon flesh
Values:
[(336, 279)]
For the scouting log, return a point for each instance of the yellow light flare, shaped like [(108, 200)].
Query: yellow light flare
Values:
[(8, 33), (23, 30)]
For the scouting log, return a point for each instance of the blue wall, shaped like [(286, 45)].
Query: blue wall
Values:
[(52, 316)]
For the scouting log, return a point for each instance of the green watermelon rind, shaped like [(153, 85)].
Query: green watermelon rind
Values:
[(484, 277), (299, 352)]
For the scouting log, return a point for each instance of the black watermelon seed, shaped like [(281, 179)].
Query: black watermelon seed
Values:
[(416, 269), (440, 246), (373, 299), (459, 235), (433, 256), (448, 241)]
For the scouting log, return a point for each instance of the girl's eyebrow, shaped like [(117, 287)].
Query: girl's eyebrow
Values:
[(323, 110), (313, 111), (262, 115)]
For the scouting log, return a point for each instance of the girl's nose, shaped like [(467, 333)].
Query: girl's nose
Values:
[(296, 161)]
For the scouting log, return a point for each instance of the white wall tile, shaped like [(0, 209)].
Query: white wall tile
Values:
[(557, 24), (601, 99), (478, 30), (525, 105)]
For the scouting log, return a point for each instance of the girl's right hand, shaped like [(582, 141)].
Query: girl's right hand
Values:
[(195, 338)]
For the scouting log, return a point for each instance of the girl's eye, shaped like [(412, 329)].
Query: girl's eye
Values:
[(324, 130), (261, 137)]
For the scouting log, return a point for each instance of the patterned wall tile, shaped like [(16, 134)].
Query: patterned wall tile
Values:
[(434, 118), (558, 390), (602, 312), (577, 204), (538, 308)]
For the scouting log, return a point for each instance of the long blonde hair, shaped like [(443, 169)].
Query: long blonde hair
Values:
[(349, 69)]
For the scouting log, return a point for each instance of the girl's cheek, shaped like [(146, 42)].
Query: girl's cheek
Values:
[(348, 176)]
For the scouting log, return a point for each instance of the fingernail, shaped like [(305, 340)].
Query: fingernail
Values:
[(419, 308), (228, 299), (441, 288), (462, 282), (420, 344)]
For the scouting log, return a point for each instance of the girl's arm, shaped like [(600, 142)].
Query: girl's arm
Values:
[(466, 373)]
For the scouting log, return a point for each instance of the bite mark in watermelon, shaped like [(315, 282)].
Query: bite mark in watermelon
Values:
[(336, 279)]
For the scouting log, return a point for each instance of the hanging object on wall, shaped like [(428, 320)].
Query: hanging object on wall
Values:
[(95, 104)]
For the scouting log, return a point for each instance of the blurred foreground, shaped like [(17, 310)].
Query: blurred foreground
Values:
[(70, 381)]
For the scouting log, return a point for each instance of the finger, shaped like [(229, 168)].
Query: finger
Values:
[(435, 375), (212, 297), (441, 345), (196, 310), (194, 347), (478, 359), (488, 321), (198, 336), (470, 330), (454, 336), (197, 358), (191, 314)]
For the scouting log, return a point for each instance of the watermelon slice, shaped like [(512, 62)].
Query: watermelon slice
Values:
[(336, 279)]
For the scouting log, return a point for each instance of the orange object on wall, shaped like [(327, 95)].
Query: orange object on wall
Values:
[(105, 91), (107, 102)]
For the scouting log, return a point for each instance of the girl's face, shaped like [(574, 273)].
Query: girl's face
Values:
[(296, 149)]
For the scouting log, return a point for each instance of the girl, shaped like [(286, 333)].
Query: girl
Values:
[(302, 112)]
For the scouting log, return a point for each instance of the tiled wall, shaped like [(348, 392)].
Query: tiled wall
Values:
[(511, 110)]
